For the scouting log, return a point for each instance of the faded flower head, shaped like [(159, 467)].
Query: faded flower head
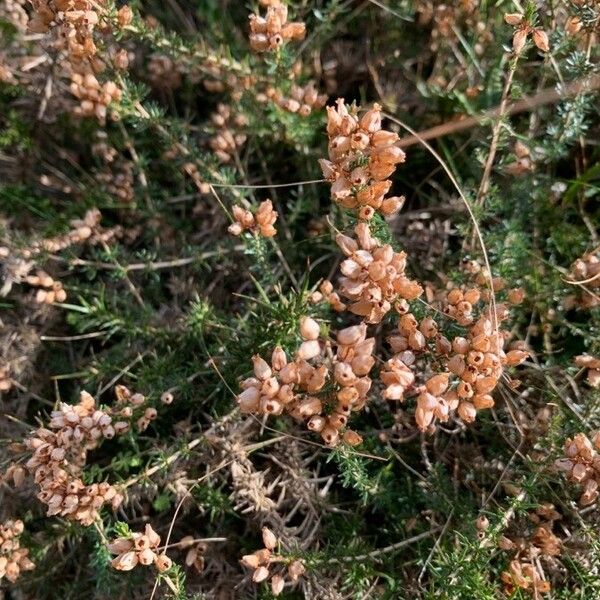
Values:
[(361, 158)]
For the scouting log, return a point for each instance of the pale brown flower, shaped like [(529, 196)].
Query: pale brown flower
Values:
[(14, 559), (361, 158)]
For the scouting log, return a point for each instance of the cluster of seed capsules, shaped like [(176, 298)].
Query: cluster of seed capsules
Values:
[(270, 32), (524, 570), (361, 158), (57, 454), (225, 143), (74, 21), (18, 263), (319, 387), (267, 565), (94, 97), (472, 365), (82, 230), (262, 222), (118, 180), (302, 100), (581, 465), (13, 558), (49, 290), (73, 24), (525, 576), (373, 277), (139, 549)]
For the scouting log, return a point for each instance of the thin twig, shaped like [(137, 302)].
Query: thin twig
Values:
[(527, 103), (376, 553)]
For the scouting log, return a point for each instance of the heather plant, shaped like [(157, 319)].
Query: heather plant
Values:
[(299, 299)]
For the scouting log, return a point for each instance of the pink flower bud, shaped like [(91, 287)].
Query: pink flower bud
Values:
[(278, 358), (346, 244), (467, 412), (540, 39), (248, 400), (269, 538), (125, 561), (163, 563), (277, 584), (309, 328), (310, 406), (261, 369), (309, 349), (260, 574), (371, 120)]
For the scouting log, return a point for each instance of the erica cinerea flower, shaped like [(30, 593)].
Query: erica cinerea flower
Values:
[(57, 454), (271, 31), (139, 548), (361, 158), (260, 223), (295, 387), (523, 29), (373, 275), (582, 465), (13, 557), (268, 564)]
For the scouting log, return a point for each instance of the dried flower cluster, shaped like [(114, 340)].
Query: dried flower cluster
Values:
[(522, 30), (49, 291), (361, 158), (13, 558), (270, 32), (474, 363), (582, 465), (221, 79), (267, 564), (373, 276), (139, 549), (18, 262), (446, 19), (58, 454), (164, 73), (72, 24), (592, 364), (327, 293), (523, 575), (317, 387), (524, 571), (118, 180), (226, 143), (195, 550), (94, 97), (87, 229), (260, 223), (301, 100), (585, 273)]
